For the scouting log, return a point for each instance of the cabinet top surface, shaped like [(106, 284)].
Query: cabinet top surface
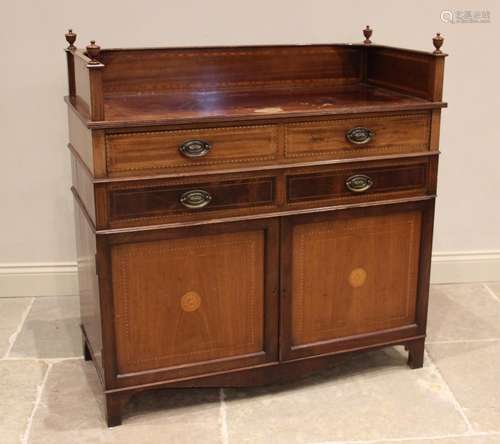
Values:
[(162, 86), (215, 105)]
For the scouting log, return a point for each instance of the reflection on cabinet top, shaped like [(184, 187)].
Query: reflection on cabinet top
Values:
[(117, 88)]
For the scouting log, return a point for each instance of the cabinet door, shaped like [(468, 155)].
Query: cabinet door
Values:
[(352, 278), (195, 300)]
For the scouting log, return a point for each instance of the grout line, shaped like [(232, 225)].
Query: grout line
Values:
[(223, 417), (453, 398), (415, 438), (491, 292), (41, 386), (13, 336), (46, 360), (462, 341), (43, 296)]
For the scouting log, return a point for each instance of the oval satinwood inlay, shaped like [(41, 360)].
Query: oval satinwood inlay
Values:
[(357, 277), (190, 301)]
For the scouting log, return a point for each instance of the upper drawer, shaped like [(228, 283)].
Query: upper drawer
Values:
[(358, 137), (130, 153)]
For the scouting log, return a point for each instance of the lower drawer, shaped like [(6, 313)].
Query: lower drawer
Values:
[(152, 201), (359, 182), (159, 201)]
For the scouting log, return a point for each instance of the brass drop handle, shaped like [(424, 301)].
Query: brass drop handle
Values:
[(195, 199), (359, 135), (194, 148), (359, 183)]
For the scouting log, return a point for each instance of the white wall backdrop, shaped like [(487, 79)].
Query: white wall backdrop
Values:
[(36, 223)]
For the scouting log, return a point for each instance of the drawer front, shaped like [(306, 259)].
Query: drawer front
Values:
[(207, 148), (361, 182), (359, 137), (190, 199)]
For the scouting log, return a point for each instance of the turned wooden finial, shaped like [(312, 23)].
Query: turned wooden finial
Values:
[(70, 38), (93, 52), (438, 42), (367, 32)]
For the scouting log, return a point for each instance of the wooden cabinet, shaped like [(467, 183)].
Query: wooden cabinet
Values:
[(246, 214)]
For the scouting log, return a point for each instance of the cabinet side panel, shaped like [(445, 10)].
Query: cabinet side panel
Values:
[(82, 85), (88, 286), (403, 71), (84, 187), (80, 138)]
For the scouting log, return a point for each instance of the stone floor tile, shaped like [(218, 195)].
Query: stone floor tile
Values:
[(18, 391), (483, 439), (11, 314), (372, 397), (71, 411), (463, 311), (51, 329), (472, 371)]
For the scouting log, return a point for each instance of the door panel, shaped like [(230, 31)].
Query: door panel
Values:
[(349, 274), (194, 299)]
